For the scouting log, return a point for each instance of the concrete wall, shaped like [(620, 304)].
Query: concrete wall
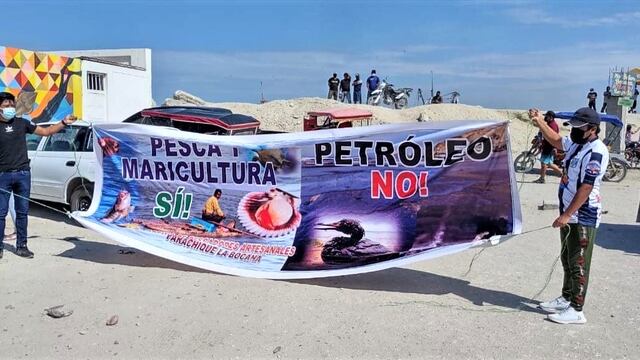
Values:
[(621, 112)]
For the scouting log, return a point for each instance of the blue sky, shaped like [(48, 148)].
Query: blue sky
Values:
[(505, 54)]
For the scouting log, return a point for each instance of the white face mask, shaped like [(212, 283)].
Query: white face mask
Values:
[(9, 113)]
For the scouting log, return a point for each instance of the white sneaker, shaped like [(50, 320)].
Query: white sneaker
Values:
[(556, 305), (568, 316)]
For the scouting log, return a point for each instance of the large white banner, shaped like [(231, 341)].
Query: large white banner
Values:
[(302, 205)]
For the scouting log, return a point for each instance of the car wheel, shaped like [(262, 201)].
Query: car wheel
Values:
[(81, 196)]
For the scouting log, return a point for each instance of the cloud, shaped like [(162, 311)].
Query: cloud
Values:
[(535, 16)]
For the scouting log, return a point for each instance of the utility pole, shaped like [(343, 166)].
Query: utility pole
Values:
[(262, 100), (431, 86)]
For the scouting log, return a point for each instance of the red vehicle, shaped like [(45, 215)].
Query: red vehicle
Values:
[(336, 118), (204, 120)]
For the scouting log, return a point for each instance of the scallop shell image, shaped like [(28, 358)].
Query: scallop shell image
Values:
[(270, 214)]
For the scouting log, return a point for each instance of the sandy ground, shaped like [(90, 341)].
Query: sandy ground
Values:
[(427, 310)]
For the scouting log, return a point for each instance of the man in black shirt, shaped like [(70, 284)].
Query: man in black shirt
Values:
[(357, 90), (15, 176), (334, 82), (345, 88), (437, 98), (632, 110), (607, 97), (592, 95)]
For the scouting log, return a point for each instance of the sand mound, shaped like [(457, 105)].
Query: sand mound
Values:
[(287, 115)]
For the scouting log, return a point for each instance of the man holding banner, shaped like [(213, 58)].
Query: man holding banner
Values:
[(15, 174), (580, 208)]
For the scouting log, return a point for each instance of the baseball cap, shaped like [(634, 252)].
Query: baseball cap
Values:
[(584, 116)]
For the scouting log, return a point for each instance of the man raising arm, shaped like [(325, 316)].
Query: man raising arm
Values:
[(15, 175), (580, 208), (549, 134)]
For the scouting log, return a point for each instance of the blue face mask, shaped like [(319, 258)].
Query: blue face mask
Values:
[(9, 113)]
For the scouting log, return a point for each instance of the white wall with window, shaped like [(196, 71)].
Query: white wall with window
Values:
[(116, 82), (113, 92)]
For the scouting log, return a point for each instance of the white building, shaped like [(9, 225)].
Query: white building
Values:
[(116, 83)]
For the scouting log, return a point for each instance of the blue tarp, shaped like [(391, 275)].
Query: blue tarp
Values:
[(604, 117)]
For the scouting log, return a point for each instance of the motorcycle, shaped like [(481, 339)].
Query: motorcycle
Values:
[(527, 159), (632, 154), (616, 169), (388, 95)]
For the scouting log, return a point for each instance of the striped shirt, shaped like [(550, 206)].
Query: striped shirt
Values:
[(583, 164)]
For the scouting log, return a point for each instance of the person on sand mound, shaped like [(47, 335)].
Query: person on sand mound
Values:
[(345, 88), (372, 83), (437, 98), (334, 83), (357, 90), (591, 96), (607, 97), (455, 97)]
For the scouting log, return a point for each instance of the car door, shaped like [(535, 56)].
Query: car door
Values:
[(55, 163), (88, 162), (34, 143)]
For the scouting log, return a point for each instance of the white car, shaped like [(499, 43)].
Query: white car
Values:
[(63, 166)]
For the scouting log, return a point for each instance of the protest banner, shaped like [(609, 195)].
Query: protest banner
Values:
[(303, 205)]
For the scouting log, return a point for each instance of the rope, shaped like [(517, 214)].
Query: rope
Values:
[(529, 128), (67, 213), (493, 308), (477, 255)]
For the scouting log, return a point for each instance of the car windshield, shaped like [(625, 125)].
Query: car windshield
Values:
[(65, 140)]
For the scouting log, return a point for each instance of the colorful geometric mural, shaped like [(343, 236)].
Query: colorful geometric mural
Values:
[(47, 86)]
